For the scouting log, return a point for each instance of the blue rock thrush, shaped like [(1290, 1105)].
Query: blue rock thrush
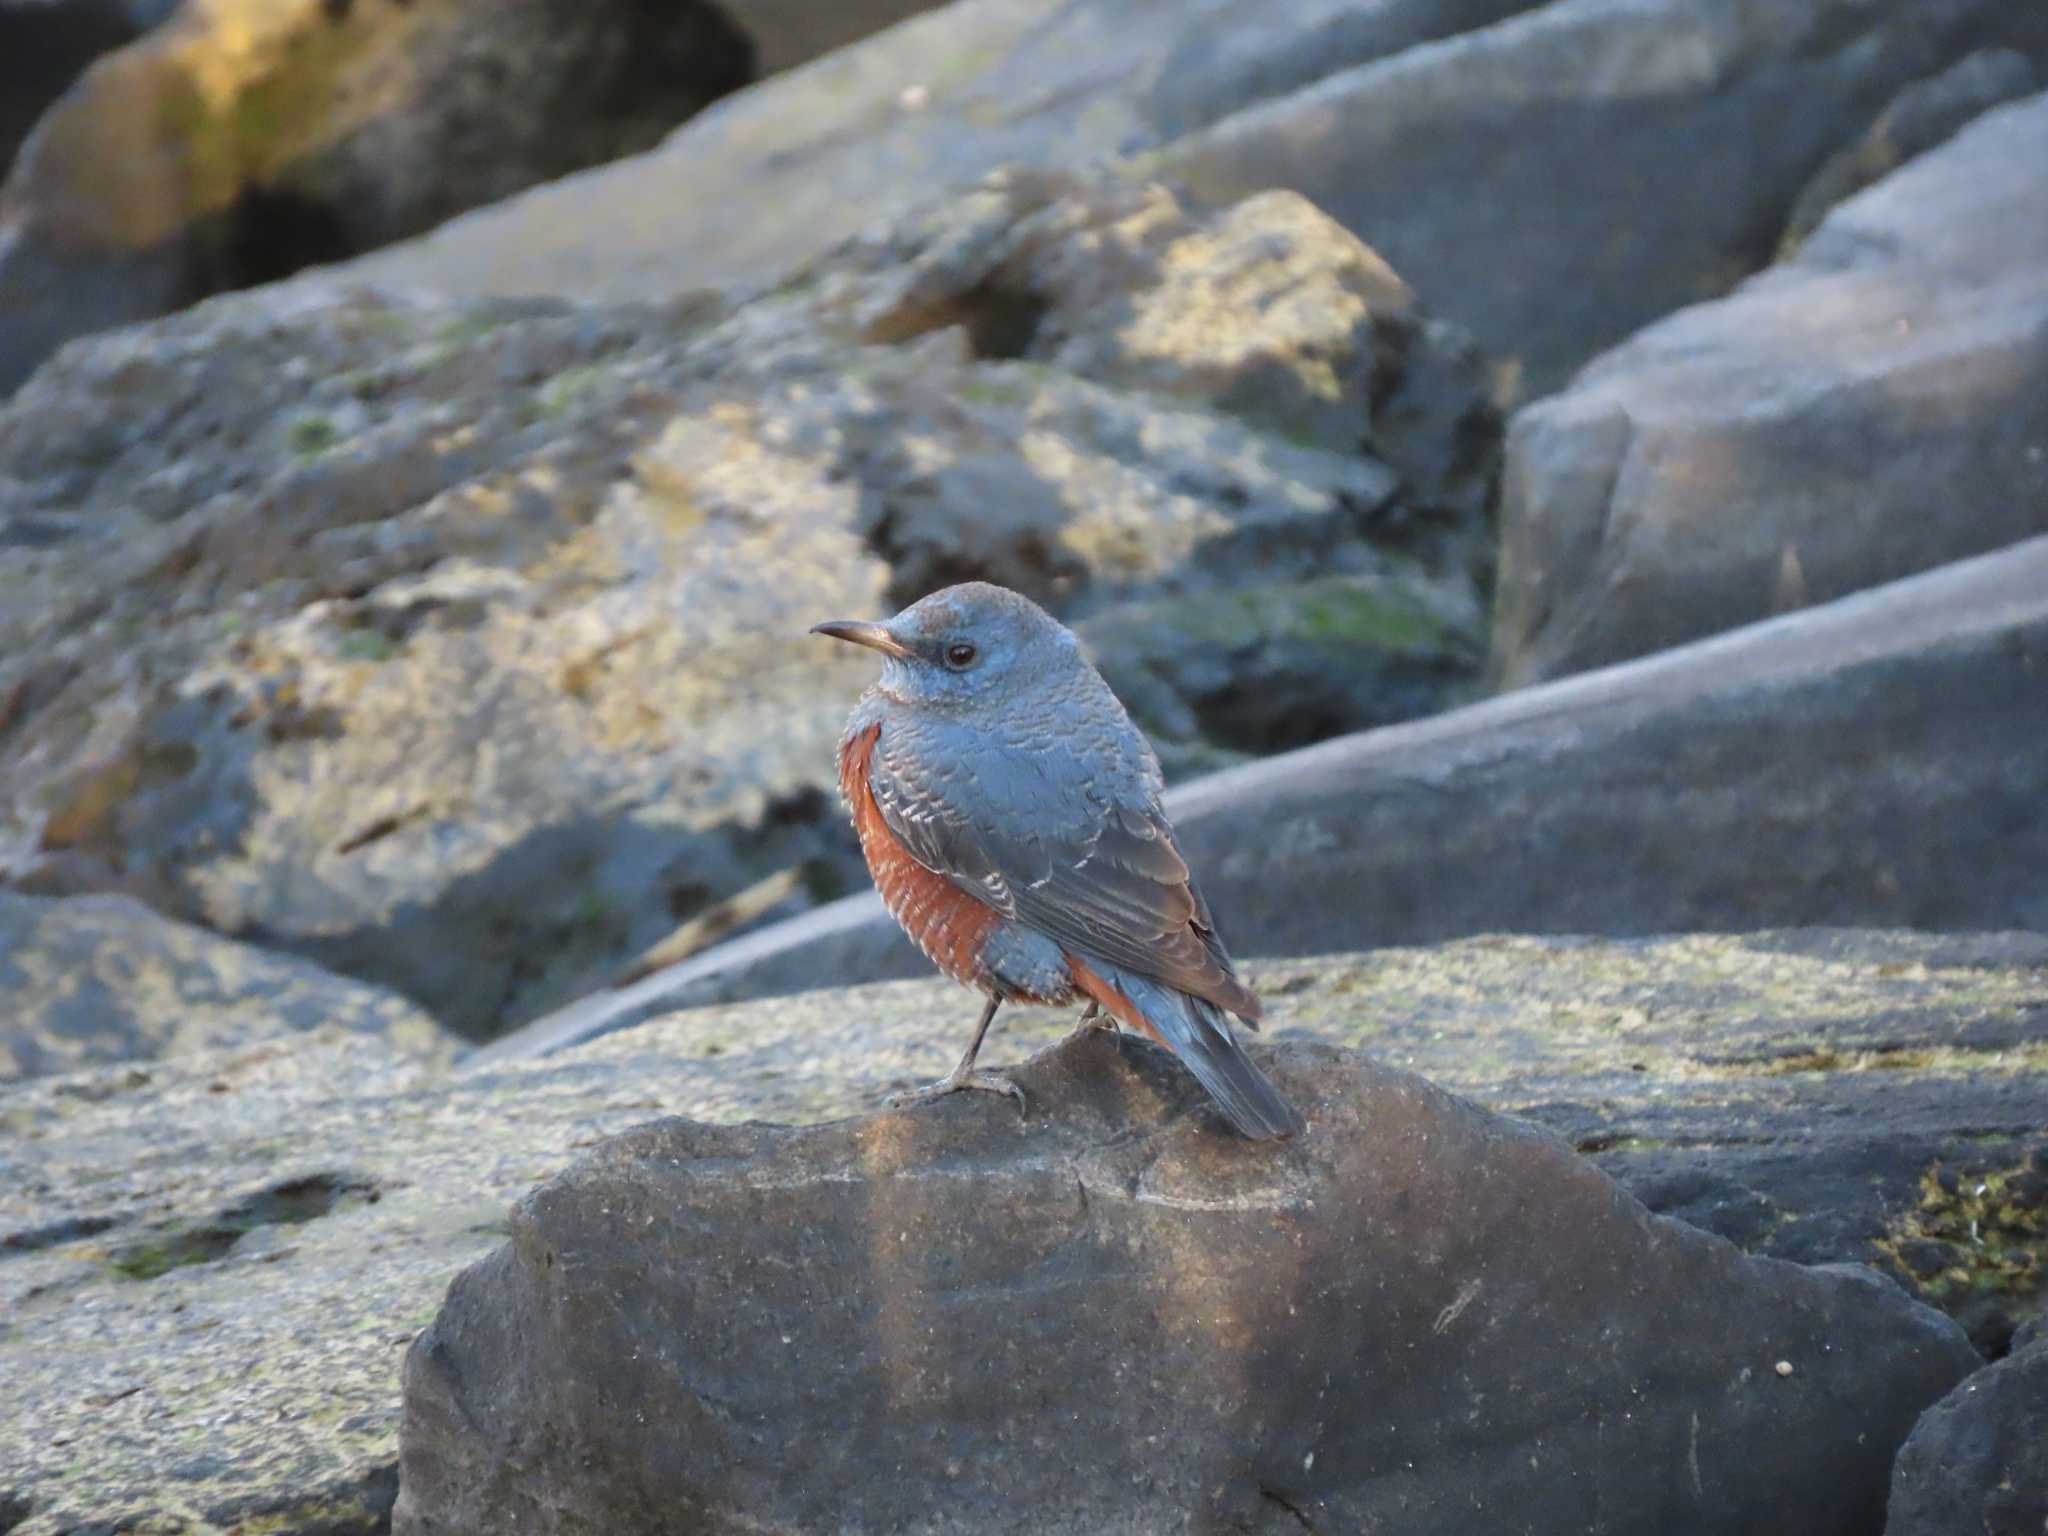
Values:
[(1010, 815)]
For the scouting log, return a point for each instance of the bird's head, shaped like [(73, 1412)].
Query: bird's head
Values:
[(965, 647)]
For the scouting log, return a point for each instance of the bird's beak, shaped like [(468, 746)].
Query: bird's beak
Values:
[(875, 637)]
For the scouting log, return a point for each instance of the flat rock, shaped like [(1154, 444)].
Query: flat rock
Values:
[(1783, 446), (210, 1265), (97, 979), (1977, 1462), (462, 648), (1873, 760), (1118, 1317)]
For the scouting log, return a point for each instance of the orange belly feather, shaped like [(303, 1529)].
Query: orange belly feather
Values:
[(949, 925)]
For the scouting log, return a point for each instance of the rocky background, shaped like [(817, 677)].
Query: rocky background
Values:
[(1555, 467)]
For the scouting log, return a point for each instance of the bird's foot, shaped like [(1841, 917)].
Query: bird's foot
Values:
[(959, 1082), (1094, 1021)]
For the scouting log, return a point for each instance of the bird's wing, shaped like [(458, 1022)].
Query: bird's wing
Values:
[(1095, 871)]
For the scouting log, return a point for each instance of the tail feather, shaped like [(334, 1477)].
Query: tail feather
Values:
[(1196, 1031)]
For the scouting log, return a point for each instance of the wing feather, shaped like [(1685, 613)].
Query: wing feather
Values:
[(1098, 873)]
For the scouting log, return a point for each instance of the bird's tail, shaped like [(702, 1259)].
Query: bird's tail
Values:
[(1196, 1031)]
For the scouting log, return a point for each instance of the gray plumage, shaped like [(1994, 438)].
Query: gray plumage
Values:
[(1005, 764)]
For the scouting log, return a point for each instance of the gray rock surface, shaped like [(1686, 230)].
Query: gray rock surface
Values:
[(1118, 1317), (462, 648), (210, 1265), (878, 129), (1925, 115), (1977, 1462), (1873, 760), (1635, 155), (245, 139), (1873, 407), (99, 979)]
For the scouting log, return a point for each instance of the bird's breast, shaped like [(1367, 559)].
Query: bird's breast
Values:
[(950, 926)]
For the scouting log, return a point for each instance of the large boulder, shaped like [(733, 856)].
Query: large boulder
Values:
[(99, 979), (211, 1265), (1561, 179), (462, 648), (1873, 760), (1116, 1316), (46, 44), (873, 131), (1875, 406), (1977, 1462), (246, 138), (1553, 175)]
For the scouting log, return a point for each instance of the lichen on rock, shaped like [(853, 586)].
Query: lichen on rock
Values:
[(461, 647)]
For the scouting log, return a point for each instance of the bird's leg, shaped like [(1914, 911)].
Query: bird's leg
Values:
[(1093, 1020), (964, 1075)]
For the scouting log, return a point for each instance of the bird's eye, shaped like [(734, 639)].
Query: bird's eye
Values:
[(960, 654)]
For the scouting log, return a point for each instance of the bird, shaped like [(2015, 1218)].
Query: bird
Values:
[(1010, 814)]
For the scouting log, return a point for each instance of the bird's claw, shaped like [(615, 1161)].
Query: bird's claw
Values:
[(984, 1082), (1095, 1022)]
